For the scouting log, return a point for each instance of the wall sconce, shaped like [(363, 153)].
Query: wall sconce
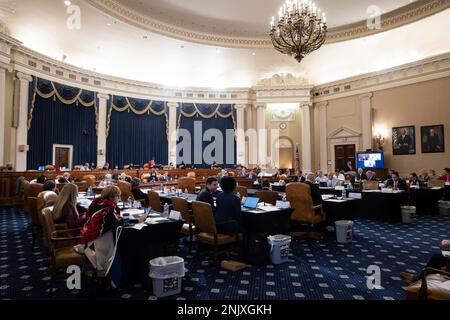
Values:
[(100, 152), (24, 148), (380, 138)]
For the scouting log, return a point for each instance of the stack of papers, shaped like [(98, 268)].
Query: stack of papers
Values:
[(155, 220)]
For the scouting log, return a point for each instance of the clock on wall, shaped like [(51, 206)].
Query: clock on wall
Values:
[(283, 126)]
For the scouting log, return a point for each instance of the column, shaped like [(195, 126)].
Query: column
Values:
[(240, 133), (323, 136), (101, 134), (262, 134), (173, 135), (306, 138), (3, 68), (367, 118), (22, 129)]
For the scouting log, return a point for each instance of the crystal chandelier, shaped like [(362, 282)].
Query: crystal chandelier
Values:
[(300, 30)]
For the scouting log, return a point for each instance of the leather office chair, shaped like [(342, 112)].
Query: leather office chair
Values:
[(370, 185), (207, 230), (187, 183), (125, 190), (436, 184), (267, 196), (90, 180), (60, 246), (32, 190), (299, 196), (154, 201), (25, 189), (35, 226), (242, 191), (428, 286), (188, 229)]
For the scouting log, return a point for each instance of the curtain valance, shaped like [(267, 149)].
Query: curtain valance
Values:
[(206, 111)]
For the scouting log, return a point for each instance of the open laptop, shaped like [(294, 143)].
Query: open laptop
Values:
[(251, 203)]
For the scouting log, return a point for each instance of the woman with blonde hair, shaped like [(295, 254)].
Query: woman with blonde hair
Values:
[(65, 208)]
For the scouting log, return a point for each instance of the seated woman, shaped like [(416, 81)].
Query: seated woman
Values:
[(228, 216), (446, 175), (137, 193), (65, 209)]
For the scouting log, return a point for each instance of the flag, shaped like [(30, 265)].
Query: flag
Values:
[(297, 159)]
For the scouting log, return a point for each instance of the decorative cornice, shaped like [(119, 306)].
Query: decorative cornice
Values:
[(366, 96), (24, 77), (103, 96), (173, 105), (407, 14), (6, 66)]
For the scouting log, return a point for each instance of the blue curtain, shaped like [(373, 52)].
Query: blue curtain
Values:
[(206, 117), (55, 122), (136, 138)]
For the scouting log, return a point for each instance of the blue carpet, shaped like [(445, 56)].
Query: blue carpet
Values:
[(317, 270)]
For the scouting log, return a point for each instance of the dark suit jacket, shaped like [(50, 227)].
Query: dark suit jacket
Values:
[(229, 209), (206, 196), (139, 195), (348, 169), (416, 183), (315, 193), (401, 184)]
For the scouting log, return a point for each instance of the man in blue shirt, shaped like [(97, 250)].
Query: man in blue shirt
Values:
[(206, 195)]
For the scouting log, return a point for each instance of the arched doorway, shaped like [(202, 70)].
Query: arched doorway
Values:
[(283, 153)]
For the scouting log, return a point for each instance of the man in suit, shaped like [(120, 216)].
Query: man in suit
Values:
[(206, 195), (414, 180), (349, 167), (332, 180), (395, 182), (403, 142), (433, 142), (360, 175), (315, 192), (370, 176)]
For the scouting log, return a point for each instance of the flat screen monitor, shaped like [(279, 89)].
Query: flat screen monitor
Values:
[(251, 203), (370, 160)]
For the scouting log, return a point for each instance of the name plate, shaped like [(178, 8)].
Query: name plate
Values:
[(355, 195), (339, 188), (283, 204), (387, 190), (447, 183), (175, 215)]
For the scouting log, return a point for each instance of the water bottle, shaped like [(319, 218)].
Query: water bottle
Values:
[(126, 219), (89, 191), (162, 187), (166, 210), (238, 195), (130, 203)]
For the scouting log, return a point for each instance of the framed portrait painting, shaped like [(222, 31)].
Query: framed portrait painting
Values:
[(403, 140), (432, 139)]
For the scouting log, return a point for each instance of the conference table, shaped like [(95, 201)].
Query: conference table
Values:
[(426, 199)]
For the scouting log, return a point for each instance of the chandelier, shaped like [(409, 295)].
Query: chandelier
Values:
[(300, 30)]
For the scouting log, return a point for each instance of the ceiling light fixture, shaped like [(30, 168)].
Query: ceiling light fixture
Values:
[(300, 30), (67, 3)]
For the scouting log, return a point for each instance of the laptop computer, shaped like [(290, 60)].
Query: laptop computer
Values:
[(251, 203)]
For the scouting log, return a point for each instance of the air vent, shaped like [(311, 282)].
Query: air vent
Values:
[(234, 96), (32, 64), (347, 87), (72, 76), (178, 94), (97, 82), (189, 95), (223, 96), (336, 89), (200, 95), (326, 92), (46, 68), (83, 79), (59, 73), (212, 96)]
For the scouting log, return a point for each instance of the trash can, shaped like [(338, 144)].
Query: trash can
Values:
[(444, 207), (279, 248), (344, 231), (166, 274), (408, 214)]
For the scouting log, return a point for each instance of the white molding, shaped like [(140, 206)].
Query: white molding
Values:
[(341, 137), (404, 15), (66, 146)]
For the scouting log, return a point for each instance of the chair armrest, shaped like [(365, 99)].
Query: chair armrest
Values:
[(66, 234), (423, 278), (60, 226), (317, 207)]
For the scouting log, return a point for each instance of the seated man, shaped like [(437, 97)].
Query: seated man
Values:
[(153, 176), (165, 177), (136, 191), (332, 181), (300, 177), (65, 178), (228, 216), (395, 182), (414, 180), (320, 177), (206, 195), (107, 180), (370, 176), (360, 175)]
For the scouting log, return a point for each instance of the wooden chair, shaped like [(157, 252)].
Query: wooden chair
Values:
[(242, 191), (188, 229), (60, 246), (187, 183), (267, 196), (370, 185), (436, 184), (207, 230), (32, 190), (35, 226), (125, 190), (299, 196), (90, 180), (154, 201)]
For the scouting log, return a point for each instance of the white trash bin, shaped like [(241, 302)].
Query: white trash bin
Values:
[(344, 231), (444, 207), (279, 248), (167, 274), (408, 214)]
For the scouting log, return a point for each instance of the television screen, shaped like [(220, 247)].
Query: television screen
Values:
[(374, 160)]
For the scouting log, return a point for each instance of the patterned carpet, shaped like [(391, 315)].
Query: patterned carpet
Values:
[(316, 270)]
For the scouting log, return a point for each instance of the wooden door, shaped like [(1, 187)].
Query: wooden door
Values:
[(343, 154), (62, 157)]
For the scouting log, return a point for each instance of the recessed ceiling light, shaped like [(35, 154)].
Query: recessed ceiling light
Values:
[(217, 51), (67, 3), (253, 53), (108, 24)]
